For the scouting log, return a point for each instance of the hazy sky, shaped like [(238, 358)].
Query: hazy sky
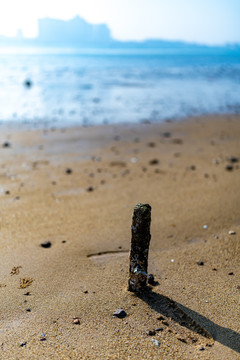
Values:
[(206, 21)]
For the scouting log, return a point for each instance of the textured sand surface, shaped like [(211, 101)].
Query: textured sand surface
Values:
[(85, 212)]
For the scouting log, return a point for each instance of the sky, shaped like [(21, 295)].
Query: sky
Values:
[(200, 21)]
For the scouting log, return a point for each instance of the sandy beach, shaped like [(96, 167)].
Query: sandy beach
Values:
[(74, 190)]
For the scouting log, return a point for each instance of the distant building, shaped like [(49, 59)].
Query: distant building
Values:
[(73, 32)]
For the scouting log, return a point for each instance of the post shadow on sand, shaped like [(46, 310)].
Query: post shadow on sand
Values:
[(191, 319)]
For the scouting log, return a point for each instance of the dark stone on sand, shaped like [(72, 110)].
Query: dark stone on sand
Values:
[(182, 340), (120, 313), (46, 244), (23, 344), (151, 144), (231, 273), (159, 329), (7, 192), (151, 280), (229, 168), (68, 171), (27, 293), (165, 323), (154, 162), (90, 189), (177, 141), (6, 144), (192, 167), (167, 134), (43, 337), (200, 263), (202, 348), (233, 159), (29, 310), (64, 241), (151, 332)]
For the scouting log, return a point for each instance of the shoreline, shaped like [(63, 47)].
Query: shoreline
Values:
[(39, 125), (76, 188)]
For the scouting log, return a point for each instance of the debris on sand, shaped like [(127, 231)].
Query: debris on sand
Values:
[(25, 282), (15, 270)]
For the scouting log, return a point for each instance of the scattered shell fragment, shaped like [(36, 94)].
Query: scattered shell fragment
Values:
[(232, 232), (156, 342)]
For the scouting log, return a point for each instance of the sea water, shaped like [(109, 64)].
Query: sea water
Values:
[(96, 87)]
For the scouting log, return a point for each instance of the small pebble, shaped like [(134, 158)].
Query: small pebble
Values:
[(156, 342), (202, 348), (23, 344), (28, 309), (216, 237), (68, 171), (205, 227), (231, 273), (90, 189), (46, 244), (43, 337), (165, 323), (177, 141), (151, 280), (206, 301), (151, 332), (120, 313), (154, 162), (27, 293), (229, 168), (133, 160), (6, 144), (159, 329), (172, 260), (167, 134), (200, 263), (76, 321), (233, 159), (232, 232)]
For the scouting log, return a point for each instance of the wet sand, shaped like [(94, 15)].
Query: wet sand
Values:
[(76, 188)]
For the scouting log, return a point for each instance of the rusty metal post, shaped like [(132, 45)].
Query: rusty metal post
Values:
[(140, 241)]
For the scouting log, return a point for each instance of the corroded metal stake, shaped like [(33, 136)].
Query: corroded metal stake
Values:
[(141, 237)]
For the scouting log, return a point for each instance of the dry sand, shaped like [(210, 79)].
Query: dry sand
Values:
[(179, 168)]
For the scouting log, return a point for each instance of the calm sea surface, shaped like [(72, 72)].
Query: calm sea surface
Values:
[(111, 87)]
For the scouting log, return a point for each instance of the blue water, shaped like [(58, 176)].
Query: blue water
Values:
[(111, 87)]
